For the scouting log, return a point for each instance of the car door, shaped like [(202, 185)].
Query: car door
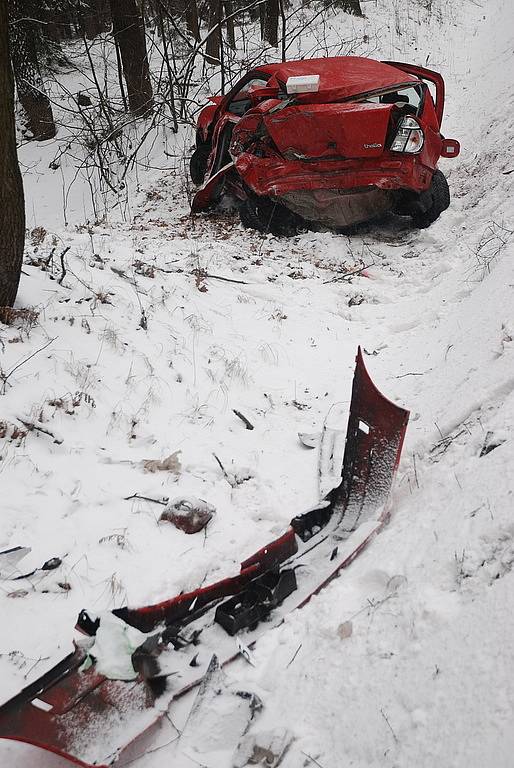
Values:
[(230, 110)]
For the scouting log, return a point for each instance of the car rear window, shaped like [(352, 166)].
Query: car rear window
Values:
[(408, 97)]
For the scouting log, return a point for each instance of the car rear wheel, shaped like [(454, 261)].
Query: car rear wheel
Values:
[(267, 215), (439, 200)]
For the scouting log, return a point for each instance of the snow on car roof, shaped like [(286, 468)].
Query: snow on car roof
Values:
[(341, 76)]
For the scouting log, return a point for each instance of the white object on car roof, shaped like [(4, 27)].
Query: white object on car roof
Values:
[(303, 84)]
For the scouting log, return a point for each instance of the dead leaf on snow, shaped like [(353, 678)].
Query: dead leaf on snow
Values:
[(345, 630), (170, 464)]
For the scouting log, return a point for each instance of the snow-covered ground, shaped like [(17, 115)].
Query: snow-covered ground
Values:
[(137, 354)]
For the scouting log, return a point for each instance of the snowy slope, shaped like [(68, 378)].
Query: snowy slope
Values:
[(424, 677)]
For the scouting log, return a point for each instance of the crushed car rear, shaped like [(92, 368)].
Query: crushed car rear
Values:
[(315, 150)]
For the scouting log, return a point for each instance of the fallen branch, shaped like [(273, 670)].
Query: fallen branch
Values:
[(225, 473), (123, 274), (32, 426), (6, 376), (63, 267), (226, 279), (414, 373), (395, 737), (294, 656), (312, 759), (146, 498), (348, 274), (201, 275), (248, 424)]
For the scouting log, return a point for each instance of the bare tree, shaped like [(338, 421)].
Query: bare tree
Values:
[(271, 22), (190, 10), (229, 16), (214, 42), (12, 205), (57, 22), (95, 18), (350, 6), (129, 31), (24, 31)]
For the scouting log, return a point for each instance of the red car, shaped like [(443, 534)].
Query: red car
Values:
[(333, 141)]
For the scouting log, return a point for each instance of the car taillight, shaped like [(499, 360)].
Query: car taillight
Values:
[(409, 137)]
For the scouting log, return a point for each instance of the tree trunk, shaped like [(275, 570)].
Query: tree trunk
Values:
[(350, 6), (129, 31), (191, 14), (29, 83), (95, 18), (57, 25), (283, 30), (104, 14), (90, 23), (12, 220), (271, 22), (231, 31), (212, 48), (262, 20), (163, 31)]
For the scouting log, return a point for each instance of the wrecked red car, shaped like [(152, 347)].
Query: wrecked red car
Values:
[(333, 142)]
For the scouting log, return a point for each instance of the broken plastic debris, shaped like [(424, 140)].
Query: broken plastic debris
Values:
[(188, 513), (219, 715), (331, 449), (491, 442), (254, 604), (309, 439), (115, 642), (245, 652), (264, 748), (48, 565), (10, 558)]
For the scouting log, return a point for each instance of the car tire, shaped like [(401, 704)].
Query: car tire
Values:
[(267, 215), (198, 164), (250, 218), (439, 194)]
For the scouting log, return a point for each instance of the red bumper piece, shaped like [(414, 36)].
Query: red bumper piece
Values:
[(93, 721)]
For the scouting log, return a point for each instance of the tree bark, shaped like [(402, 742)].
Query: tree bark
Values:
[(29, 83), (90, 23), (129, 31), (228, 7), (95, 18), (191, 14), (231, 31), (213, 45), (57, 24), (350, 6), (12, 205), (160, 21), (271, 22)]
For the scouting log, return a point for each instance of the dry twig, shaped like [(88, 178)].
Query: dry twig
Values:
[(32, 426), (248, 424)]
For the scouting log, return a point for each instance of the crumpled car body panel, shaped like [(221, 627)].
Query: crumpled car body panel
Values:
[(338, 138)]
